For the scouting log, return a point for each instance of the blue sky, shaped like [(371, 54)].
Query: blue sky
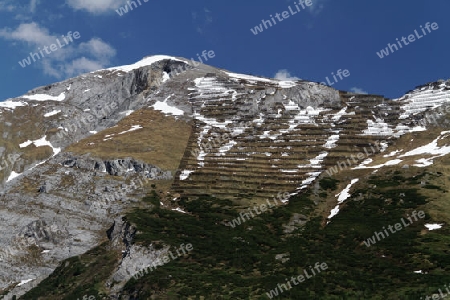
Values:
[(310, 44)]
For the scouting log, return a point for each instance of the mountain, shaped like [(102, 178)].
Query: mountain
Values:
[(109, 178)]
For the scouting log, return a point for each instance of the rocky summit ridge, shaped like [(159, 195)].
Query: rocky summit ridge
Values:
[(78, 154)]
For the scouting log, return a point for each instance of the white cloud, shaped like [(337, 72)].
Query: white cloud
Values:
[(23, 11), (96, 6), (49, 69), (33, 5), (357, 90), (30, 33), (285, 75), (202, 19), (317, 6), (7, 5), (98, 48), (70, 60), (82, 65)]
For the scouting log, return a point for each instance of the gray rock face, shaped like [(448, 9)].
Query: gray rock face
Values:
[(74, 202), (117, 167), (134, 258)]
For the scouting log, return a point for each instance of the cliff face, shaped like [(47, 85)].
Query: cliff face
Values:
[(73, 197), (79, 154)]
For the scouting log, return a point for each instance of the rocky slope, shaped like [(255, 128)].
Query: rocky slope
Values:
[(79, 155)]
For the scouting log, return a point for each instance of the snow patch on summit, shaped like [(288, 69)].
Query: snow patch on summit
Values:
[(12, 104), (254, 79), (44, 97), (142, 63)]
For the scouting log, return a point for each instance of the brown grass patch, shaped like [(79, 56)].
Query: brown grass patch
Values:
[(162, 140)]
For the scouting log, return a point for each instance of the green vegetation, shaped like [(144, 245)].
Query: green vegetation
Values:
[(240, 263), (153, 199), (328, 183), (77, 276)]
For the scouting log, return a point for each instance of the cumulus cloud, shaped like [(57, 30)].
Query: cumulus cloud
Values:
[(96, 6), (82, 65), (98, 48), (285, 75), (357, 90), (71, 60), (30, 33)]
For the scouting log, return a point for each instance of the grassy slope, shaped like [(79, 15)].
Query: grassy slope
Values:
[(161, 141), (18, 126)]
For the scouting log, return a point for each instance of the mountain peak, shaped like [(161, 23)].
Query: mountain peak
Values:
[(192, 130), (146, 61)]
